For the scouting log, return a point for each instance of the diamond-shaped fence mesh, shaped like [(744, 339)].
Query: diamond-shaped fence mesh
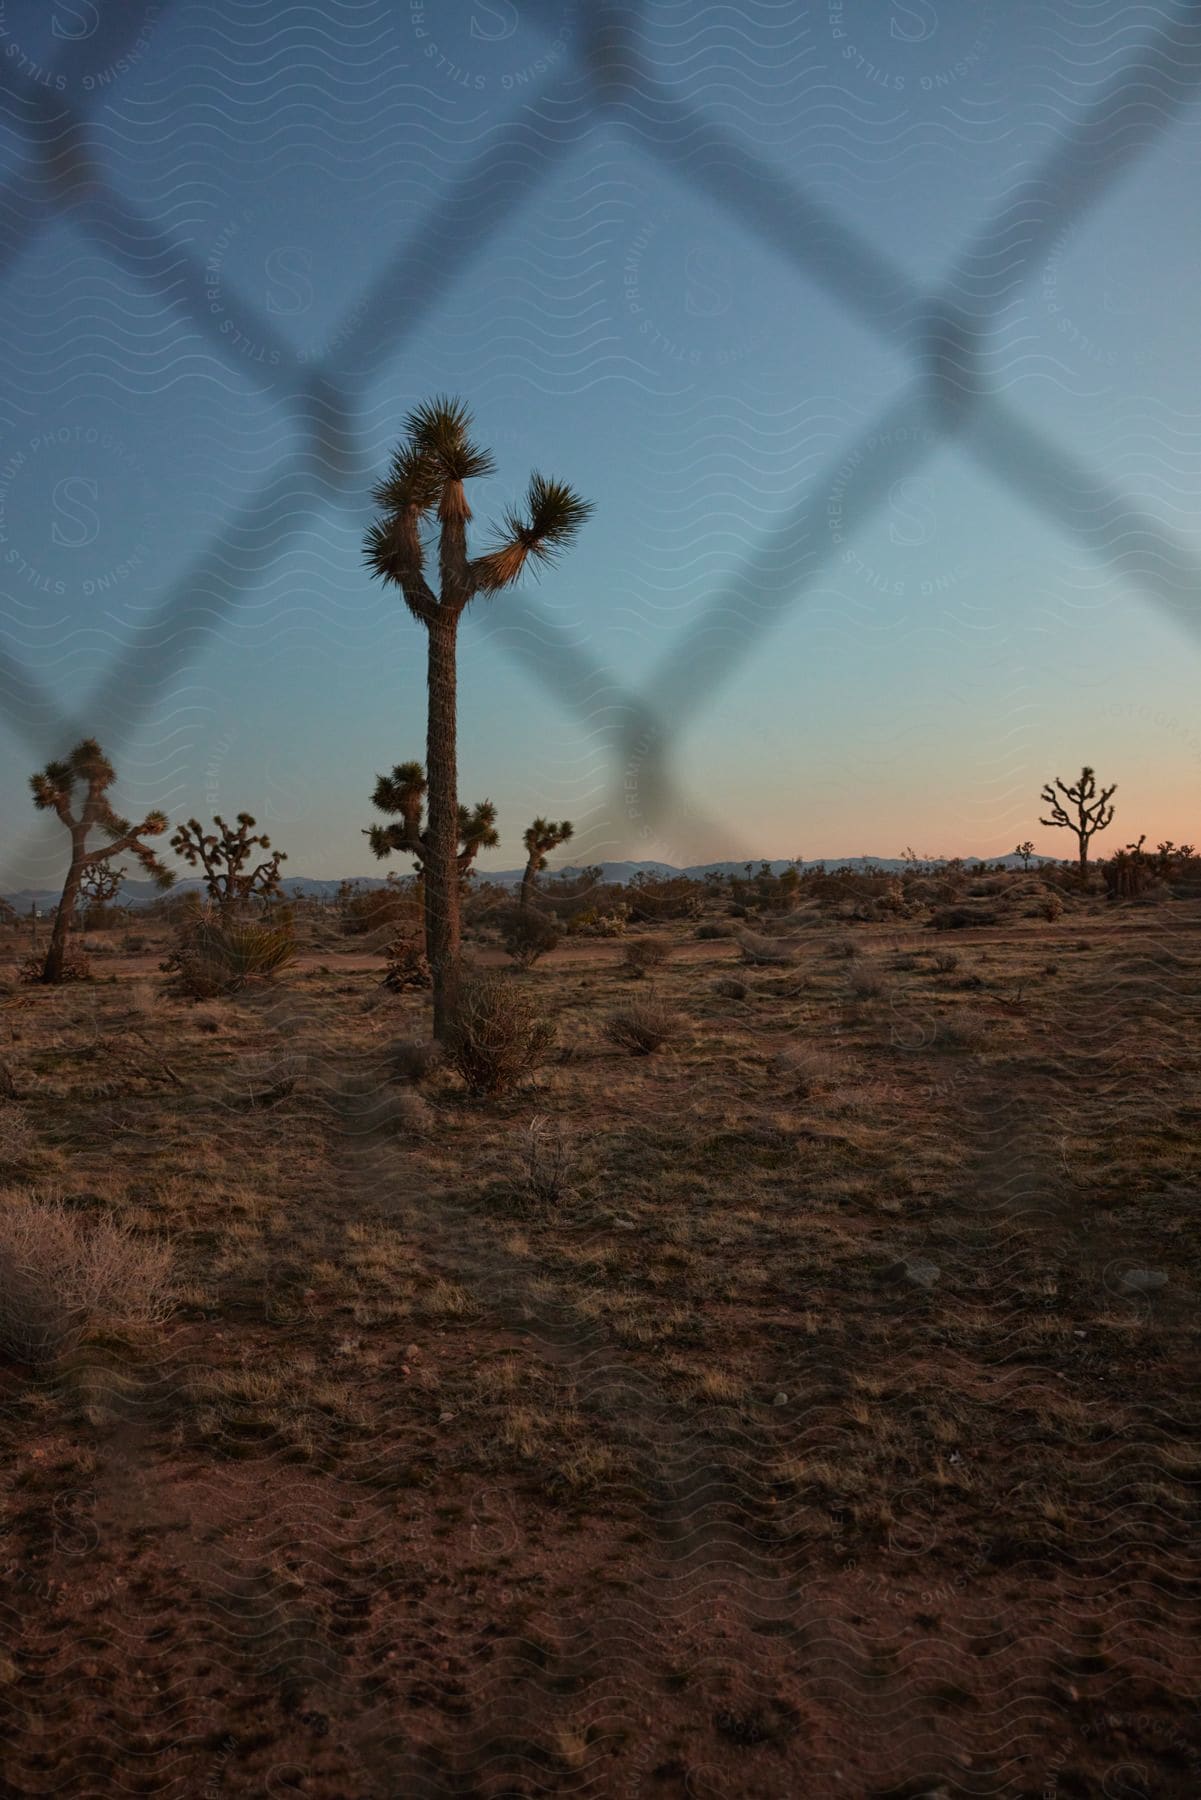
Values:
[(946, 334)]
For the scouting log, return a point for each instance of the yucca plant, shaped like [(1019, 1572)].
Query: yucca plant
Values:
[(218, 955), (76, 789), (426, 483)]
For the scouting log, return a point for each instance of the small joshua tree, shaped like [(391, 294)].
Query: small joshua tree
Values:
[(426, 481), (402, 796), (1092, 810), (100, 886), (1025, 851), (77, 790), (224, 859), (540, 839)]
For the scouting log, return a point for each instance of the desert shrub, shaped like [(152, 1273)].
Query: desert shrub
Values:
[(643, 1027), (966, 1029), (133, 943), (500, 1034), (674, 898), (76, 966), (527, 935), (378, 910), (18, 1139), (415, 1060), (761, 952), (1050, 907), (590, 923), (946, 962), (960, 918), (644, 954), (62, 1276), (710, 929), (868, 984), (548, 1158), (406, 967), (739, 911), (846, 948), (215, 956), (730, 988)]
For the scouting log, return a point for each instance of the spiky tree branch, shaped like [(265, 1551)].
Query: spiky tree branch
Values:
[(76, 791), (402, 795), (540, 839), (425, 484), (1092, 810), (224, 854)]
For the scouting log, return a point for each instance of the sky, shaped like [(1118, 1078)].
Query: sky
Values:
[(806, 618)]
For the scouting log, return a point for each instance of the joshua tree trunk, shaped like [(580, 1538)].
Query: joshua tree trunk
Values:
[(52, 968), (440, 867), (527, 886)]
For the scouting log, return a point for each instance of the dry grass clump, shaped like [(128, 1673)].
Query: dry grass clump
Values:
[(18, 1140), (805, 1070), (643, 1027), (763, 952), (62, 1276), (967, 1029), (869, 984), (499, 1036), (644, 954), (548, 1155), (730, 988)]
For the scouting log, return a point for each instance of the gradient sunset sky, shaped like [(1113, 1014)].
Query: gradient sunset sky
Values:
[(321, 214)]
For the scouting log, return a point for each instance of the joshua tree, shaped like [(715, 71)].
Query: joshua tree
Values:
[(224, 858), (1025, 851), (425, 481), (1093, 813), (54, 790), (402, 794), (540, 839), (99, 887)]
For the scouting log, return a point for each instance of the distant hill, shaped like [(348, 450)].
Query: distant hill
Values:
[(140, 893)]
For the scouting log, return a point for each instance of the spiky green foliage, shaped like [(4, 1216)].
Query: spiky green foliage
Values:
[(1092, 811), (402, 795), (224, 855), (76, 789)]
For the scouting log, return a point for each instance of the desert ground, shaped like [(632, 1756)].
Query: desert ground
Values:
[(807, 1408)]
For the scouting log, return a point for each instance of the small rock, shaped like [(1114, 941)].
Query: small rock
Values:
[(624, 1225), (412, 1351), (1144, 1281), (781, 1399), (445, 1418), (922, 1272), (1078, 1334)]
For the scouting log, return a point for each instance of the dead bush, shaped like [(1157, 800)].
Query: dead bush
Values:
[(805, 1070), (548, 1155), (711, 929), (407, 969), (18, 1139), (76, 966), (527, 935), (63, 1276), (500, 1034), (730, 988), (644, 954), (868, 984), (643, 1027), (966, 1029)]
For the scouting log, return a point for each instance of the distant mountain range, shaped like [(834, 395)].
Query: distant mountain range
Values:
[(141, 893)]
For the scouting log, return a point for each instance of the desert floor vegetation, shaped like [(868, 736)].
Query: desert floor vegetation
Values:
[(839, 1358)]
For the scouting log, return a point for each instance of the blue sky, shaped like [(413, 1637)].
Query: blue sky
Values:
[(613, 315)]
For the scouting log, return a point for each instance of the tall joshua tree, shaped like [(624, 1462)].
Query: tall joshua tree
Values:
[(1025, 851), (1091, 809), (77, 790), (540, 839), (225, 856), (426, 483), (402, 795)]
